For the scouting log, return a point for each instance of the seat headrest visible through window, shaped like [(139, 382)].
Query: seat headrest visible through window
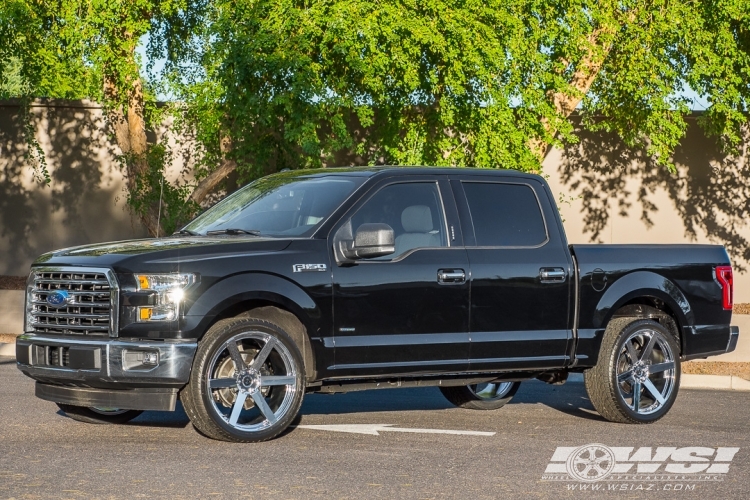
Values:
[(417, 219)]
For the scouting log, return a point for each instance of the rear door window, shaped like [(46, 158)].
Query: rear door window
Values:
[(505, 215)]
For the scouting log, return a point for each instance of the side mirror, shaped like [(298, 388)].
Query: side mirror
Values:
[(370, 241)]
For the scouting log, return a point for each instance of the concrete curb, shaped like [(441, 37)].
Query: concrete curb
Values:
[(8, 350), (691, 381), (694, 381)]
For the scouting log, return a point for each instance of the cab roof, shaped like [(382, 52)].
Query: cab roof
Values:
[(370, 171)]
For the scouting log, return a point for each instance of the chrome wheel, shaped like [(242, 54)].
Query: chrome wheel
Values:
[(646, 371), (108, 411), (637, 376), (485, 396), (252, 381), (491, 390)]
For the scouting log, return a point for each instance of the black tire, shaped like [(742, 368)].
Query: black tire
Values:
[(481, 396), (98, 416), (212, 410), (625, 375)]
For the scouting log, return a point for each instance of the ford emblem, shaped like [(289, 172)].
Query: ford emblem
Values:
[(58, 298)]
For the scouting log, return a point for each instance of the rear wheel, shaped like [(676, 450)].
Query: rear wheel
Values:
[(638, 374), (99, 415), (486, 396), (247, 381)]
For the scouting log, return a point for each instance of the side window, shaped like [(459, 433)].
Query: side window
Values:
[(412, 209), (505, 215)]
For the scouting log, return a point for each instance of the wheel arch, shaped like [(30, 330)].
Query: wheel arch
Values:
[(640, 295), (645, 295), (266, 297), (646, 307), (292, 325)]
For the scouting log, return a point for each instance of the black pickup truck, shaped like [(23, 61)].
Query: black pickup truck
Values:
[(339, 280)]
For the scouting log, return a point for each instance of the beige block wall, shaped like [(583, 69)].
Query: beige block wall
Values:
[(86, 199), (607, 189), (11, 311)]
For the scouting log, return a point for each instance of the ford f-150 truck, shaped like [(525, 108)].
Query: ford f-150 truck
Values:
[(339, 280)]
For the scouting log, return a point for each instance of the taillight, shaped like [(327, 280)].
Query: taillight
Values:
[(726, 280)]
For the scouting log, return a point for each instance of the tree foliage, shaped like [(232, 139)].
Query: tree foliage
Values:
[(295, 84), (86, 49), (264, 85)]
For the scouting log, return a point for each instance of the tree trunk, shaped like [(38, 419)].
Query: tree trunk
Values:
[(585, 73), (130, 133), (207, 185), (204, 187)]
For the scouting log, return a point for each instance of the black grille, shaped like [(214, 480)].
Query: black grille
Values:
[(87, 310), (57, 356)]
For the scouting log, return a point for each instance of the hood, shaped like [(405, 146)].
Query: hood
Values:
[(135, 247), (169, 249)]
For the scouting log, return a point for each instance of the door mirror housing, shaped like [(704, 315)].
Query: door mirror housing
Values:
[(370, 241)]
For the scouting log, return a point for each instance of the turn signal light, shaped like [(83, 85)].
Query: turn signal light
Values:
[(144, 313), (143, 282), (726, 280)]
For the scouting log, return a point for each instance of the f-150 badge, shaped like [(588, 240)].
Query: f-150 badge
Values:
[(301, 268)]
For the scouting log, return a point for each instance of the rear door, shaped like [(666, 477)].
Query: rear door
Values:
[(521, 273), (408, 312)]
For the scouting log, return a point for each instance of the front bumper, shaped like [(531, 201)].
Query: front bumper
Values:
[(105, 363), (122, 399)]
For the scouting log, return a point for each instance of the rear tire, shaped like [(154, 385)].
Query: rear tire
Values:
[(247, 381), (488, 396), (637, 377), (98, 415)]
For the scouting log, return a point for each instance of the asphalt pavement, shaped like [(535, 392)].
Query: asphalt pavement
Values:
[(43, 454)]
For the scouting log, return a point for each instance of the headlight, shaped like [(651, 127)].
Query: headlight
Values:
[(169, 289)]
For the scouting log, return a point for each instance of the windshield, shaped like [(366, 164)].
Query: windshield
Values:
[(278, 205)]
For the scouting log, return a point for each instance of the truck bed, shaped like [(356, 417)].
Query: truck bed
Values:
[(611, 277)]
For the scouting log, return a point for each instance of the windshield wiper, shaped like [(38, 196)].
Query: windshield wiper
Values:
[(234, 231), (187, 231)]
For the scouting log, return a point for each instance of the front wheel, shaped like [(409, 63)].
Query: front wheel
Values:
[(247, 381), (99, 415), (638, 373), (487, 396)]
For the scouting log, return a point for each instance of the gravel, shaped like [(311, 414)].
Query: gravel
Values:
[(717, 368), (12, 282)]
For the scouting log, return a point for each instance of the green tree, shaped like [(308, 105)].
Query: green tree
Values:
[(76, 49), (264, 85), (484, 83)]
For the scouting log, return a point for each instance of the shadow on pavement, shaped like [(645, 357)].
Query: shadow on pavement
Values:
[(375, 400), (570, 399), (174, 419)]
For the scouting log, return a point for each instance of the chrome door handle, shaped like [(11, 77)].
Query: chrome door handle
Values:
[(451, 276), (552, 275)]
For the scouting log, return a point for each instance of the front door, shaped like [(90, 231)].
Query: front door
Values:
[(408, 312)]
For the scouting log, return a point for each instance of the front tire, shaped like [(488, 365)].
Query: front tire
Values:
[(487, 396), (247, 381), (638, 374), (99, 415)]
